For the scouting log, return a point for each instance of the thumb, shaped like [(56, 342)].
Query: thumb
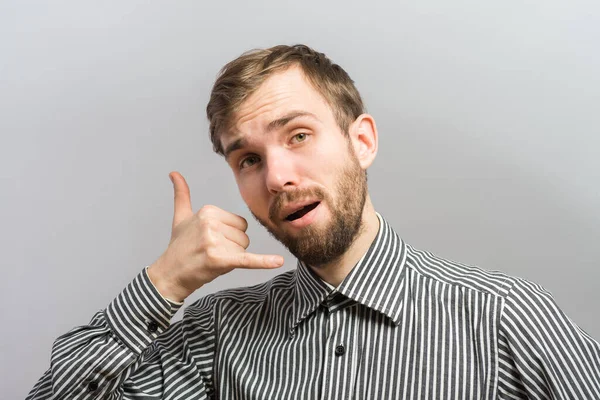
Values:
[(183, 201)]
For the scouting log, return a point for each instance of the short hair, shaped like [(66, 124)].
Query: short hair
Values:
[(241, 77)]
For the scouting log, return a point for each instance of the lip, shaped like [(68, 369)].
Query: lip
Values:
[(307, 218), (293, 207)]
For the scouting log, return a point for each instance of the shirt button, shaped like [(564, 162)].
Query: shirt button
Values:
[(152, 326), (92, 386), (340, 350)]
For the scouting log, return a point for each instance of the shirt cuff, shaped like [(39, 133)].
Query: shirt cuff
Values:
[(139, 314)]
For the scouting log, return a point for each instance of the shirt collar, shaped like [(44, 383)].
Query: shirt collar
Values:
[(376, 281)]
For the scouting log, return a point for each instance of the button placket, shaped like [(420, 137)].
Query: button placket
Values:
[(335, 360)]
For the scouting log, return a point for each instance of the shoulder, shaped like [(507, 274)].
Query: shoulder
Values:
[(469, 277), (527, 300)]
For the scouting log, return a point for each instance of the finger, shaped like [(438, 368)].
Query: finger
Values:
[(235, 235), (254, 261), (183, 202), (230, 219)]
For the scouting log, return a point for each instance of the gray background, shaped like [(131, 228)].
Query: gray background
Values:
[(488, 117)]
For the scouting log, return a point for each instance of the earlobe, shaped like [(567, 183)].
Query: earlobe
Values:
[(363, 134)]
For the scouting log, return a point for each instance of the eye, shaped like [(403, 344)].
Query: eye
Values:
[(300, 137), (248, 161)]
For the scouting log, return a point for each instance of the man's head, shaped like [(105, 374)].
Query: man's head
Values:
[(292, 127), (241, 77)]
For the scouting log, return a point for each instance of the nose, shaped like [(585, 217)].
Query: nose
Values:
[(280, 172)]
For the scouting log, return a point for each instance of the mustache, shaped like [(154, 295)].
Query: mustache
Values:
[(290, 196)]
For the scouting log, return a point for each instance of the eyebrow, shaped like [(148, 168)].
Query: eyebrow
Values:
[(275, 124), (233, 146), (281, 122)]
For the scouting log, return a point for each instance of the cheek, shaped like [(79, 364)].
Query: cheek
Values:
[(331, 148), (325, 162)]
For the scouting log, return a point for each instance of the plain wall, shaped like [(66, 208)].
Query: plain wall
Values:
[(488, 116)]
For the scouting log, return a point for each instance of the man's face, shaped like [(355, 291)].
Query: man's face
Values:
[(296, 170)]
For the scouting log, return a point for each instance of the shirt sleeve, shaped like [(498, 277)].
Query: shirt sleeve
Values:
[(131, 349), (542, 353)]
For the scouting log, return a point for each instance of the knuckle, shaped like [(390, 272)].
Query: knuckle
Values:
[(211, 255), (244, 260), (208, 243), (202, 213), (207, 209), (207, 223)]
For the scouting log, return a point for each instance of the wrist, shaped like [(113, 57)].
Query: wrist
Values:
[(165, 287)]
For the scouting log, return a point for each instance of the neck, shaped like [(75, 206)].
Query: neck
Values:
[(336, 271)]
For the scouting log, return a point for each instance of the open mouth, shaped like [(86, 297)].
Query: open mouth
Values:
[(302, 212)]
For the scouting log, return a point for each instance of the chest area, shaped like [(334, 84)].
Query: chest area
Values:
[(359, 353)]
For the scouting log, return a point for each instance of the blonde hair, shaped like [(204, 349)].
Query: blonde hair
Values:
[(243, 76)]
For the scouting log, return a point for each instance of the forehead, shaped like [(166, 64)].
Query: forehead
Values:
[(282, 93)]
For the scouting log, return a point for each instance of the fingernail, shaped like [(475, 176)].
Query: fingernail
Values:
[(276, 260)]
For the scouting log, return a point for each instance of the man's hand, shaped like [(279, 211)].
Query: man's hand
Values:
[(203, 246)]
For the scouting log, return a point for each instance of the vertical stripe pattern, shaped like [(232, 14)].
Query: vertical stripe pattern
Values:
[(404, 324)]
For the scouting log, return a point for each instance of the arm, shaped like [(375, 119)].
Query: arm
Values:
[(122, 344), (542, 353), (129, 348)]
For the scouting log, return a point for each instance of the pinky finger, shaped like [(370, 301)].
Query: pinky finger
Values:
[(256, 261)]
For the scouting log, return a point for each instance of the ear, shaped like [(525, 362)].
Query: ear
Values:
[(363, 135)]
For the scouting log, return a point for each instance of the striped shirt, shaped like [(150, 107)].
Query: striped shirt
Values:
[(404, 324)]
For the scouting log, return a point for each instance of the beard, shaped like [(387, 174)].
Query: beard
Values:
[(319, 245)]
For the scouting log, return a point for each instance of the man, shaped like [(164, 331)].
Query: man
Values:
[(364, 316)]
